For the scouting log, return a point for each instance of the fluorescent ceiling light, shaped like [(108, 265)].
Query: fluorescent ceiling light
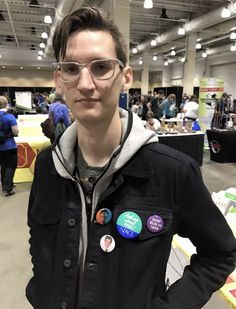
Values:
[(225, 13), (154, 58), (198, 46), (44, 35), (181, 31), (148, 4), (153, 43), (47, 19), (173, 52), (134, 50), (233, 36)]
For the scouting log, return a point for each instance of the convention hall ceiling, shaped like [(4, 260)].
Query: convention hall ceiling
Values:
[(22, 24)]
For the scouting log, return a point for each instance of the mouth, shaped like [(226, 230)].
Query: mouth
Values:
[(87, 100)]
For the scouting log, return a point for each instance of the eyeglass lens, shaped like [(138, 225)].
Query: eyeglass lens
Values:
[(100, 69)]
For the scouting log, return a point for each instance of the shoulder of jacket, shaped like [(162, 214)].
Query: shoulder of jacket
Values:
[(167, 154)]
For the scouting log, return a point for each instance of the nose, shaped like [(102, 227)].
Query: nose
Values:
[(85, 81)]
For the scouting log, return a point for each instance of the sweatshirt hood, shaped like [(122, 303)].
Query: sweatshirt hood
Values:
[(134, 136)]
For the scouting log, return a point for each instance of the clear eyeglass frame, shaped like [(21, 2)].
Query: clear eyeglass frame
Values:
[(101, 69)]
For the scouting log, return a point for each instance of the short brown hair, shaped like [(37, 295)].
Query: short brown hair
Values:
[(83, 19), (3, 102)]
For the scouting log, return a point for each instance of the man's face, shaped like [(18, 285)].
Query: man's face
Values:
[(107, 243), (90, 99)]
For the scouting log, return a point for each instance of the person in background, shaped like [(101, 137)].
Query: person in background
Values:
[(151, 122), (191, 108), (60, 110), (107, 159), (156, 101), (8, 149), (168, 106)]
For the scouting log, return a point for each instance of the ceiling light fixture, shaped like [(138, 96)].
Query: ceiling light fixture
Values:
[(134, 50), (166, 62), (233, 36), (39, 57), (47, 19), (42, 45), (233, 47), (148, 4), (173, 52), (198, 46), (204, 54), (225, 13), (181, 30), (153, 43), (140, 61), (44, 35), (182, 59), (154, 58), (40, 52)]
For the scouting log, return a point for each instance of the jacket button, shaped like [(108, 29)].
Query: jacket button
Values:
[(71, 222), (91, 179), (67, 263), (63, 305)]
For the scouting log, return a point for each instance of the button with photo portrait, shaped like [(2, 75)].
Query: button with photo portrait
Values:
[(107, 243), (103, 216)]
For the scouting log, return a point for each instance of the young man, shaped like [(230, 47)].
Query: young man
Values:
[(107, 160)]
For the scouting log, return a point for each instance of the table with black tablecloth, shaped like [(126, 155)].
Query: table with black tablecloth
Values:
[(188, 143), (222, 145)]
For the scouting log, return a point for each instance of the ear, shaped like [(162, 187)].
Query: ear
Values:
[(57, 81), (127, 78)]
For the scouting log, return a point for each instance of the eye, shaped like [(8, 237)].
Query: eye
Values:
[(101, 67), (70, 68)]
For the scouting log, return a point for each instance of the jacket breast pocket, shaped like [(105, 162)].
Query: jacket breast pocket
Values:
[(153, 221)]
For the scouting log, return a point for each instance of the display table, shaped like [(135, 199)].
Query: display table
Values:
[(222, 145), (189, 143), (28, 148)]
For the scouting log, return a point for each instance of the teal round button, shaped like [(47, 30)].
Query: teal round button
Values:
[(129, 224)]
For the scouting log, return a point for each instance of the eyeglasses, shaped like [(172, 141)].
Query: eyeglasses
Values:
[(101, 69)]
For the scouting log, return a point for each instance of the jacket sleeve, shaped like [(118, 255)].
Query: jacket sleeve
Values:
[(30, 286), (202, 222)]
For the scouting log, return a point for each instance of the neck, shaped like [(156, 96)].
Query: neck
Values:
[(98, 141)]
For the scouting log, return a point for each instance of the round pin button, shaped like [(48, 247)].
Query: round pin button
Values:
[(107, 243), (103, 216), (129, 224), (155, 224)]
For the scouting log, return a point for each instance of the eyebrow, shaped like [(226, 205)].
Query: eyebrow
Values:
[(93, 59)]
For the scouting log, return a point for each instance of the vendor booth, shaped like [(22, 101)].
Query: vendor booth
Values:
[(29, 142), (222, 144)]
